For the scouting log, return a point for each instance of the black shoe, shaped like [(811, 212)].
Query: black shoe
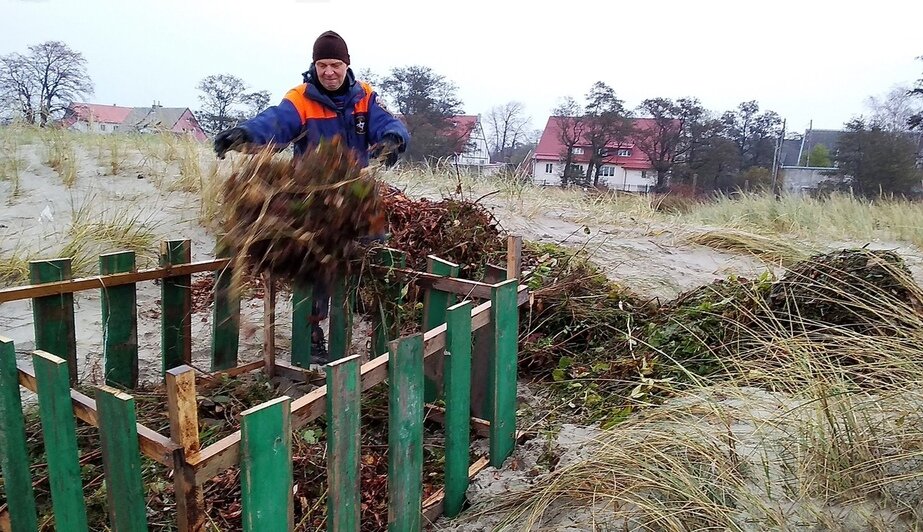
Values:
[(319, 353)]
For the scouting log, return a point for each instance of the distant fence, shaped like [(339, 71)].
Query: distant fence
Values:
[(466, 355)]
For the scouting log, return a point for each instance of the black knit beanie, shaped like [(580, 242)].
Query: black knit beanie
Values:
[(331, 46)]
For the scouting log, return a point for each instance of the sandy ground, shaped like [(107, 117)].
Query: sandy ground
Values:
[(650, 259)]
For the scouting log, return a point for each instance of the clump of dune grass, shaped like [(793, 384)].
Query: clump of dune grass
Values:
[(96, 228), (14, 266), (774, 249), (210, 193), (802, 424), (190, 168), (61, 157), (11, 165), (115, 156)]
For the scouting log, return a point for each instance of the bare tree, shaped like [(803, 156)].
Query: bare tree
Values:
[(893, 111), (916, 121), (570, 132), (665, 138), (42, 83), (221, 94), (507, 129), (256, 102), (62, 77), (18, 87)]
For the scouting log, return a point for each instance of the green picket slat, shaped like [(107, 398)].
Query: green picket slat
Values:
[(14, 454), (405, 434), (457, 405), (341, 319), (176, 303), (121, 460), (120, 322), (266, 467), (59, 431), (505, 320), (225, 317), (343, 408), (387, 316), (435, 303), (53, 316)]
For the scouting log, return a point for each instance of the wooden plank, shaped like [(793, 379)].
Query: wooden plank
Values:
[(435, 303), (106, 281), (121, 461), (53, 316), (433, 506), (405, 434), (503, 371), (182, 411), (225, 316), (59, 431), (343, 445), (463, 287), (457, 405), (302, 304), (176, 303), (14, 454), (481, 354), (266, 467), (210, 379), (120, 322), (154, 445), (269, 325), (225, 452), (387, 317), (341, 320), (298, 374), (437, 413), (514, 257)]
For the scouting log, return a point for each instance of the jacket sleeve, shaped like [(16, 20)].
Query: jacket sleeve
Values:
[(382, 122), (278, 124)]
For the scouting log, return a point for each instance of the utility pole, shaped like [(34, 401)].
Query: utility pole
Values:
[(777, 159)]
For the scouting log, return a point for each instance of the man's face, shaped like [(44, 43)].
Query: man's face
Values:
[(332, 73)]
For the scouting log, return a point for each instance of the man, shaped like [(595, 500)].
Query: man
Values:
[(330, 102)]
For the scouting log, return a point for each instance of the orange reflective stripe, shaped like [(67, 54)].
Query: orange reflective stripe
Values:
[(306, 107), (362, 106)]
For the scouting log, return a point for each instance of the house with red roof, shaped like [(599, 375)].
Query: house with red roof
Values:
[(98, 118), (472, 147), (624, 165)]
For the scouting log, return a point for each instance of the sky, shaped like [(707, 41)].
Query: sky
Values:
[(812, 61)]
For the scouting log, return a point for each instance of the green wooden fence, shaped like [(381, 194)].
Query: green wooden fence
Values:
[(262, 448)]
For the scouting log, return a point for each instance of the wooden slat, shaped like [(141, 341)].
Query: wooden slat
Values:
[(266, 467), (341, 320), (53, 316), (437, 413), (59, 432), (435, 303), (514, 257), (154, 445), (225, 316), (503, 371), (106, 281), (120, 322), (387, 315), (182, 411), (14, 454), (481, 354), (225, 452), (343, 420), (405, 434), (269, 325), (121, 461), (298, 374), (433, 506), (210, 379), (302, 304), (176, 303), (462, 287), (457, 405)]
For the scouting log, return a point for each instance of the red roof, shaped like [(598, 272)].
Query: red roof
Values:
[(550, 146), (106, 114)]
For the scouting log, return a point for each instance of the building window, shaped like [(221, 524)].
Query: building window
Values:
[(624, 153), (578, 151), (643, 174), (102, 127), (549, 168), (607, 171), (576, 169)]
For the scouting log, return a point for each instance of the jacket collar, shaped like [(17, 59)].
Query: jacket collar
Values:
[(354, 93)]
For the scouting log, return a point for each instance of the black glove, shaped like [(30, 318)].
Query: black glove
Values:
[(231, 139), (388, 147)]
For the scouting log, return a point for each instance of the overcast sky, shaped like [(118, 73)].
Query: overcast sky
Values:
[(806, 60)]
